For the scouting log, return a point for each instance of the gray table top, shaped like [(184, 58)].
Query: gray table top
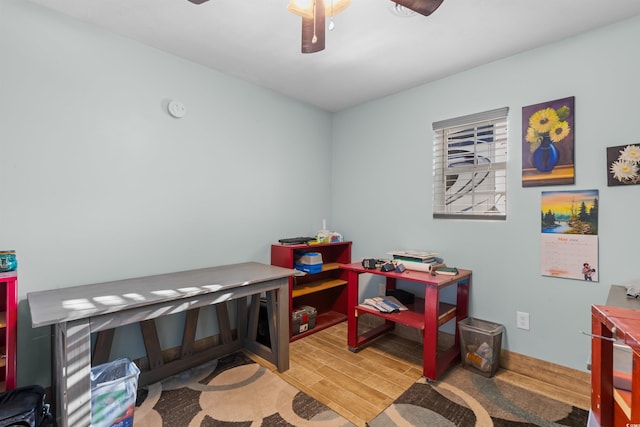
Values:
[(618, 298), (77, 302)]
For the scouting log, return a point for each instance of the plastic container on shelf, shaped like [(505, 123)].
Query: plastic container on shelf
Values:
[(480, 345), (8, 261), (310, 262), (113, 393)]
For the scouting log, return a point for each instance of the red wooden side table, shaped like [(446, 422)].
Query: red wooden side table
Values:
[(427, 314)]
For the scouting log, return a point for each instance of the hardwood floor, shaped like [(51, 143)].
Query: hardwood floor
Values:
[(356, 385), (361, 385)]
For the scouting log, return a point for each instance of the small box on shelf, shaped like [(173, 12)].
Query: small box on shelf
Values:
[(303, 319), (309, 262)]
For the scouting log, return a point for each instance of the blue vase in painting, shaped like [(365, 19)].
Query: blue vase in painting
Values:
[(546, 156)]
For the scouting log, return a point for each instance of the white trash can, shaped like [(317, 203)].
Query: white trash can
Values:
[(113, 393)]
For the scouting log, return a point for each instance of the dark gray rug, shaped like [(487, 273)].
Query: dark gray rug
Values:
[(233, 391), (465, 399)]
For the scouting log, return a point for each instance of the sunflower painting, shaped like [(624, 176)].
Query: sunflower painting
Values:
[(548, 143)]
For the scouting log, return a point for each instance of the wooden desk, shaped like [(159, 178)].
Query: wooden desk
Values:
[(612, 407), (77, 312), (426, 314)]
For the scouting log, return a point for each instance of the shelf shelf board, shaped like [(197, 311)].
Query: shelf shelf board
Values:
[(414, 317), (313, 287), (323, 321), (623, 399), (310, 246), (330, 266)]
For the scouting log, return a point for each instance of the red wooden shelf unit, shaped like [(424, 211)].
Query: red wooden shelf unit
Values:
[(8, 329), (326, 291)]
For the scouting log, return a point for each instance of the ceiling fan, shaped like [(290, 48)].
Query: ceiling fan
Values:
[(314, 12), (423, 7)]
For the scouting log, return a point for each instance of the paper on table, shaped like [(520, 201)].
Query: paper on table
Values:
[(417, 266)]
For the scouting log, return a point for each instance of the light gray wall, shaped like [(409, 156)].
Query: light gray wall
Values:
[(100, 183), (382, 191), (103, 184)]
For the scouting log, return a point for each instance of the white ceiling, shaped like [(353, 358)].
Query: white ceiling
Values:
[(371, 52)]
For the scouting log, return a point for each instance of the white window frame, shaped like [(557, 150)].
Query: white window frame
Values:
[(470, 166)]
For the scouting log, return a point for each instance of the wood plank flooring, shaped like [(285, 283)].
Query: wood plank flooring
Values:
[(361, 385), (356, 385)]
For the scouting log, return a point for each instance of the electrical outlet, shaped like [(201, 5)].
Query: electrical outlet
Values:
[(522, 320)]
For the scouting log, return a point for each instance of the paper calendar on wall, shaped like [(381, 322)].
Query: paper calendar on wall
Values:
[(569, 234)]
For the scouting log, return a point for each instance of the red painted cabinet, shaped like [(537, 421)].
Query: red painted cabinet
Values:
[(8, 329), (613, 406), (325, 290)]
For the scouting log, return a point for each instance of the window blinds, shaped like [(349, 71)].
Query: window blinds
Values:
[(470, 166)]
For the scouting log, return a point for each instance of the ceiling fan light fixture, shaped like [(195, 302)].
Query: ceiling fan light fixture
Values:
[(304, 8), (334, 7)]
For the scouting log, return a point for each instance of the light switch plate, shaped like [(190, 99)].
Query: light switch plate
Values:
[(522, 320)]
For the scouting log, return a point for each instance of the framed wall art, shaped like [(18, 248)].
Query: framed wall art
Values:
[(623, 165), (548, 143)]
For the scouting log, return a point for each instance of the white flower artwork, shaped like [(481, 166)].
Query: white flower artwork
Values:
[(623, 165)]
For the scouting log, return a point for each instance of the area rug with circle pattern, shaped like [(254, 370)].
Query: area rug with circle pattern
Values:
[(466, 399), (233, 391)]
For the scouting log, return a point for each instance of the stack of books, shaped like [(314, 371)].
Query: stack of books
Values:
[(447, 271), (415, 256), (417, 260), (386, 304)]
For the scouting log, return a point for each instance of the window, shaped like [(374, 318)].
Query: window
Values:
[(470, 166)]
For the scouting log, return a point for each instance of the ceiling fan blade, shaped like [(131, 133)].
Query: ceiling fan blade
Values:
[(313, 29), (198, 1), (424, 7)]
